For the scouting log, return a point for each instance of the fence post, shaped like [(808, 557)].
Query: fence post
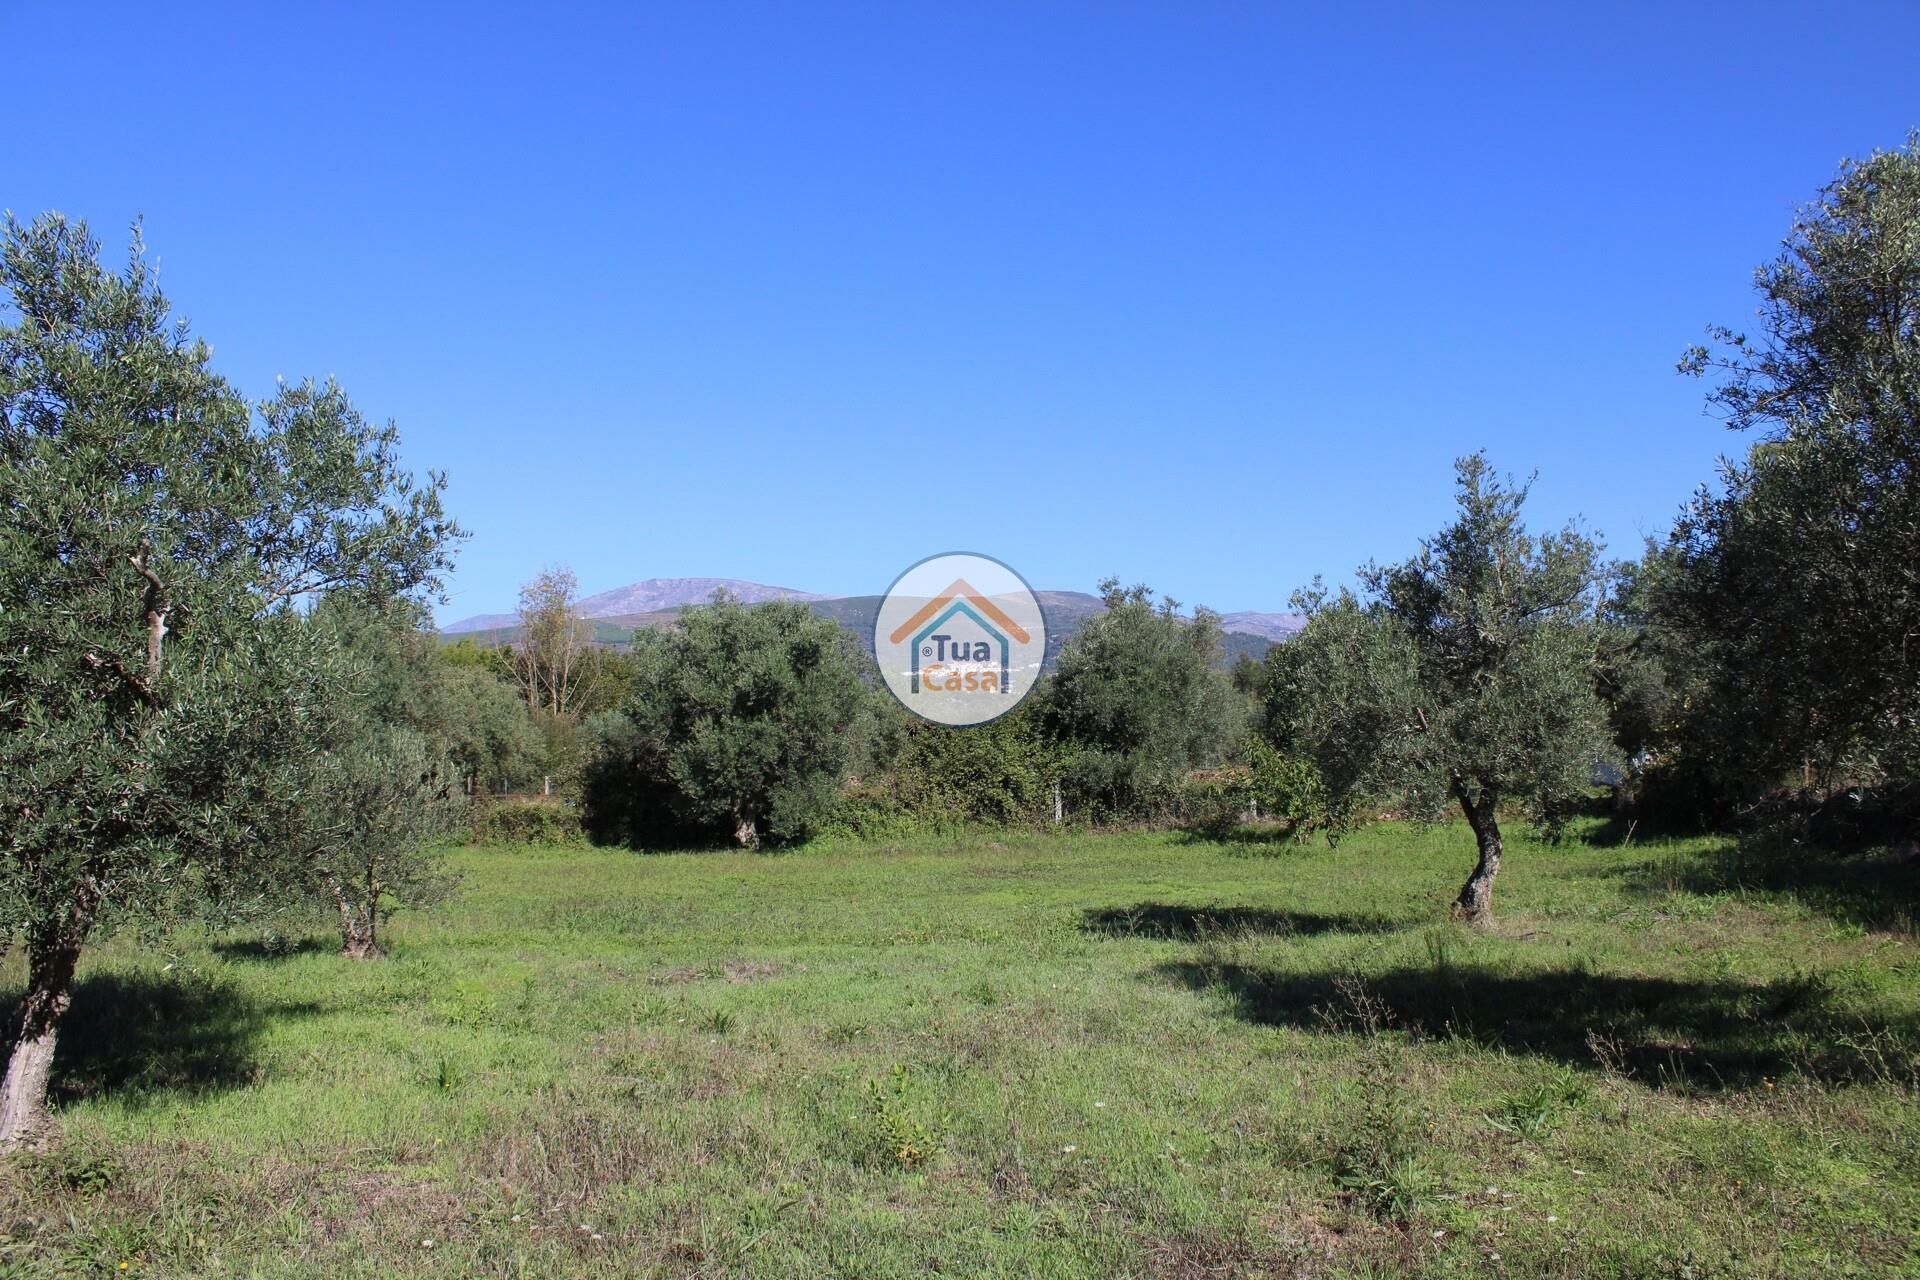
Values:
[(1057, 814)]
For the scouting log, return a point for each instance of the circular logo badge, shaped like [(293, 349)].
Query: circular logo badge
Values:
[(960, 639)]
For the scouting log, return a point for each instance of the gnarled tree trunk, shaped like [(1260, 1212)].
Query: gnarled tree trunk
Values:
[(746, 828), (1475, 903), (52, 955), (357, 940)]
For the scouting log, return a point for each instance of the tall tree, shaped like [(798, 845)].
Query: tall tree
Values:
[(155, 534), (1796, 585), (552, 661), (1465, 675)]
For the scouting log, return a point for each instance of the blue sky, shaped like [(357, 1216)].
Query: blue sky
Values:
[(1205, 295)]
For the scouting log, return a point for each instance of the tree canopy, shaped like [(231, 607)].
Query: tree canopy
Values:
[(1136, 698), (156, 533), (742, 722)]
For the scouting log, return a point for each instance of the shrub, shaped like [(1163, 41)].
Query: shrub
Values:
[(1285, 787), (538, 820)]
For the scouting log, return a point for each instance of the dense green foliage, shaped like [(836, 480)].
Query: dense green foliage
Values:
[(1788, 601), (526, 819), (743, 722), (1137, 702), (367, 818), (924, 776)]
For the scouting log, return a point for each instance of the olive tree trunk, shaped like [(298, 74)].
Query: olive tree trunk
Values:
[(1475, 903), (357, 921), (51, 958), (746, 829)]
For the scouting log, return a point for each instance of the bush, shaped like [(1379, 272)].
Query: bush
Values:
[(1001, 773), (1285, 787), (540, 820)]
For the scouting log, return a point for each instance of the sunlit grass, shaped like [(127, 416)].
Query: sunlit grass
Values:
[(1016, 1054)]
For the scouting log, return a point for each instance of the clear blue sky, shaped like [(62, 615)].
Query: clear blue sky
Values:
[(1206, 295)]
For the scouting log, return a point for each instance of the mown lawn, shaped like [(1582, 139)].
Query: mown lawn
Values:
[(1017, 1055)]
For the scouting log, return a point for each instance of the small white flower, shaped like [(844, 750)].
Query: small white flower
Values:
[(1099, 1104), (1068, 1150)]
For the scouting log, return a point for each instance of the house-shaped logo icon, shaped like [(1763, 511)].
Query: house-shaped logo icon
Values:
[(957, 600), (960, 639)]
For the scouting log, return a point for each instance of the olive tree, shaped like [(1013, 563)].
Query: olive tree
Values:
[(1463, 675), (1136, 701), (158, 691), (742, 723), (372, 812), (388, 800), (1794, 586)]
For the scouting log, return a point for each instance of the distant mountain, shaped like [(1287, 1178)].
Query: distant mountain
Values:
[(1063, 610), (481, 622), (1268, 626), (655, 595), (656, 603)]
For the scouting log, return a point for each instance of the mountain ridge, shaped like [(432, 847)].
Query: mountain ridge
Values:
[(652, 602)]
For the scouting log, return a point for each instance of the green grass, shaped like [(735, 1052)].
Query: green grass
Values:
[(1016, 1056)]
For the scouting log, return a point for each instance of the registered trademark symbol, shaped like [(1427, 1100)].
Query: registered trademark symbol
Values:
[(926, 651)]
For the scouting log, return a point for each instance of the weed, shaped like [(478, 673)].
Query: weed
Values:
[(1377, 1157), (898, 1134), (1535, 1110)]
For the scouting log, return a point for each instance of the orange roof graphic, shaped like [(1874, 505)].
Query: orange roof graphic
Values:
[(959, 588)]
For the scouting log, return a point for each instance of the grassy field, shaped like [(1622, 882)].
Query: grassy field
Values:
[(1017, 1055)]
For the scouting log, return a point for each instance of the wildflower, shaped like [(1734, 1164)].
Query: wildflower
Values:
[(1068, 1150)]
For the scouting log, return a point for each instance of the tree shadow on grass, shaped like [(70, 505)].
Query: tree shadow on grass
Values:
[(275, 948), (1871, 889), (1666, 1033), (1181, 923), (138, 1034)]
